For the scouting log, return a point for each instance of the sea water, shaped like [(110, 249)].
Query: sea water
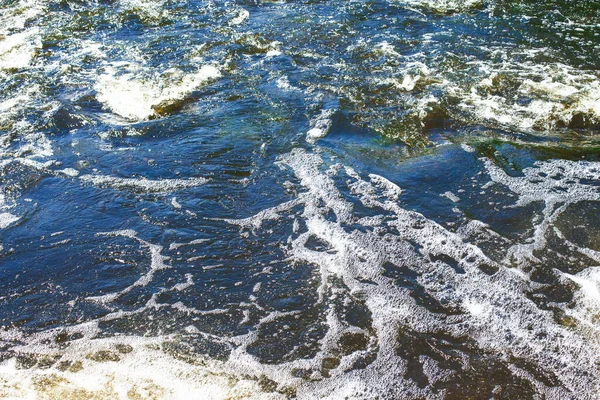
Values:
[(315, 199)]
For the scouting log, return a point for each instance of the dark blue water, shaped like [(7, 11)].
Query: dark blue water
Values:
[(311, 199)]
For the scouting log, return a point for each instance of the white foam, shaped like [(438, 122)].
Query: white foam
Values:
[(150, 10), (142, 372), (412, 73), (493, 310), (189, 282), (18, 15), (555, 183), (273, 53), (443, 6), (7, 219), (146, 185), (497, 314), (18, 44), (387, 49), (451, 196), (563, 94), (24, 141), (71, 172), (136, 99), (241, 17), (320, 126), (175, 246), (18, 50), (513, 91), (175, 203)]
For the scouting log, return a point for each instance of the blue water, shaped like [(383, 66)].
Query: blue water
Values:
[(311, 199)]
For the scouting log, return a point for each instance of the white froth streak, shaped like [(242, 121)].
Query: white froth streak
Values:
[(557, 184), (157, 263), (256, 221), (494, 308), (497, 314), (587, 305), (147, 185), (340, 263), (384, 302)]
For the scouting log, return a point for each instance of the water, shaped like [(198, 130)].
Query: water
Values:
[(312, 199)]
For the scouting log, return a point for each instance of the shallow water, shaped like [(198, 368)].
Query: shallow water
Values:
[(311, 199)]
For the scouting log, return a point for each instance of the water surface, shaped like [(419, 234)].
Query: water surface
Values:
[(299, 199)]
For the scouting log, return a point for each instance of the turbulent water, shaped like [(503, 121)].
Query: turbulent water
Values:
[(314, 199)]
